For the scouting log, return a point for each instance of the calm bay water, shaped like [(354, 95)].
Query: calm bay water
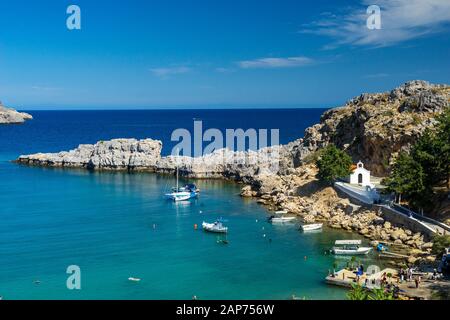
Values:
[(117, 225)]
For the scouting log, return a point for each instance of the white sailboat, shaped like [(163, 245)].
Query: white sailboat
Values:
[(182, 194)]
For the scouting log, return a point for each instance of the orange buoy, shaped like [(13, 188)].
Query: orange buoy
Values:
[(195, 226)]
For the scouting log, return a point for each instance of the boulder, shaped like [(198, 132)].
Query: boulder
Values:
[(309, 218), (247, 192), (427, 245), (364, 231), (412, 260)]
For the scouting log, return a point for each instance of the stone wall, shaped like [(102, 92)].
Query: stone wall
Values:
[(405, 221)]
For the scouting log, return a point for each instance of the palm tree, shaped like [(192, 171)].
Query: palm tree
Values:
[(353, 259), (335, 266)]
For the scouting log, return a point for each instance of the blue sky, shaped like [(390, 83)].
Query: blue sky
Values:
[(194, 53)]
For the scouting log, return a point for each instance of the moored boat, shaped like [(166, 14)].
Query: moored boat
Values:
[(216, 227), (274, 219), (349, 247), (312, 227), (185, 193)]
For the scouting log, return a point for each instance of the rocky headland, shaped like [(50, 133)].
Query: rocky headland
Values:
[(11, 116), (373, 128)]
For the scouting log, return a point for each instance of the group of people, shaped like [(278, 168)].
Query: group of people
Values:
[(407, 275)]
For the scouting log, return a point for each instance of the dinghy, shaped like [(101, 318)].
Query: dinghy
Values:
[(216, 227), (312, 227), (349, 247), (134, 279), (275, 219)]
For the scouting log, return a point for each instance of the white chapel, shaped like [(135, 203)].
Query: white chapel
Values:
[(360, 175)]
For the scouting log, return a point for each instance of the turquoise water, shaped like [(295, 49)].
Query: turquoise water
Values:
[(117, 225)]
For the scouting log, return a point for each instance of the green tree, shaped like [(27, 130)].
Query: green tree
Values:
[(333, 163), (407, 177), (429, 152), (443, 134), (357, 292), (440, 243)]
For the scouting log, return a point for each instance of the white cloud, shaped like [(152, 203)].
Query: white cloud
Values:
[(290, 62), (44, 88), (225, 70), (169, 71), (376, 75), (401, 20)]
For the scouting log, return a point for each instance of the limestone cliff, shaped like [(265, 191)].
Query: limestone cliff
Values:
[(10, 116), (375, 127)]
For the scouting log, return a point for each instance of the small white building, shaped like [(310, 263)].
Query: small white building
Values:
[(360, 175), (358, 185)]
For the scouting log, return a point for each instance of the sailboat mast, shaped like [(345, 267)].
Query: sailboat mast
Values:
[(178, 155)]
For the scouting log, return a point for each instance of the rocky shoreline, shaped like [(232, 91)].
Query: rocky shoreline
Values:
[(11, 116), (303, 195), (373, 128)]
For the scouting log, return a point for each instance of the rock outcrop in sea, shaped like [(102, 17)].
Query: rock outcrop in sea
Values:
[(118, 154), (11, 116), (145, 155)]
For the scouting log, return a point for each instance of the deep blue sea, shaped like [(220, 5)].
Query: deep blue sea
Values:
[(117, 225)]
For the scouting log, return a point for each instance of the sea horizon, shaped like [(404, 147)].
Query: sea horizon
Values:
[(208, 107)]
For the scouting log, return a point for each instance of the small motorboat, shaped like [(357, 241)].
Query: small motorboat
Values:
[(275, 219), (349, 247), (216, 227), (134, 279), (381, 247), (312, 227)]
